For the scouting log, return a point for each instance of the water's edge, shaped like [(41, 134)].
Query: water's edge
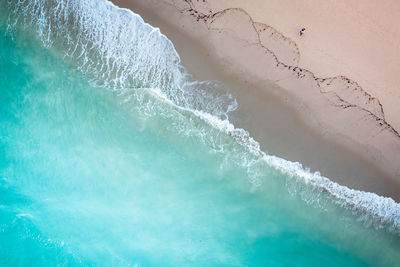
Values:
[(262, 103), (77, 30)]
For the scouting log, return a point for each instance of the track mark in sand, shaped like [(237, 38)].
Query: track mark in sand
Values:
[(340, 91)]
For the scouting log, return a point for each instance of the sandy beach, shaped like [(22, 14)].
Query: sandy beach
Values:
[(327, 99)]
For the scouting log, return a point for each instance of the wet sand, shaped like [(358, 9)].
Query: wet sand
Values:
[(271, 114)]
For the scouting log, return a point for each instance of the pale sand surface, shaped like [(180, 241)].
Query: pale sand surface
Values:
[(283, 121), (356, 38)]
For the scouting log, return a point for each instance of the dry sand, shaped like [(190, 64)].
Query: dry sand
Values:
[(358, 39), (337, 125)]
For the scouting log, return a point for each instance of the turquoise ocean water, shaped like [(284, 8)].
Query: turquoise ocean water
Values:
[(111, 154)]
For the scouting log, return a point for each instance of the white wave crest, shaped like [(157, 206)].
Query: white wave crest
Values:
[(384, 211), (117, 49)]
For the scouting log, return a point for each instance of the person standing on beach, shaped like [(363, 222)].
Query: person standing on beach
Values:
[(302, 31)]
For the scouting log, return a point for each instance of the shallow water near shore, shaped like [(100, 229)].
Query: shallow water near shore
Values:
[(97, 170)]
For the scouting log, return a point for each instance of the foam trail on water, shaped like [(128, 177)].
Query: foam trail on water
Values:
[(117, 50), (383, 211)]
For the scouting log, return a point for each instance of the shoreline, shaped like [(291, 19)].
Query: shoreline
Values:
[(273, 115)]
